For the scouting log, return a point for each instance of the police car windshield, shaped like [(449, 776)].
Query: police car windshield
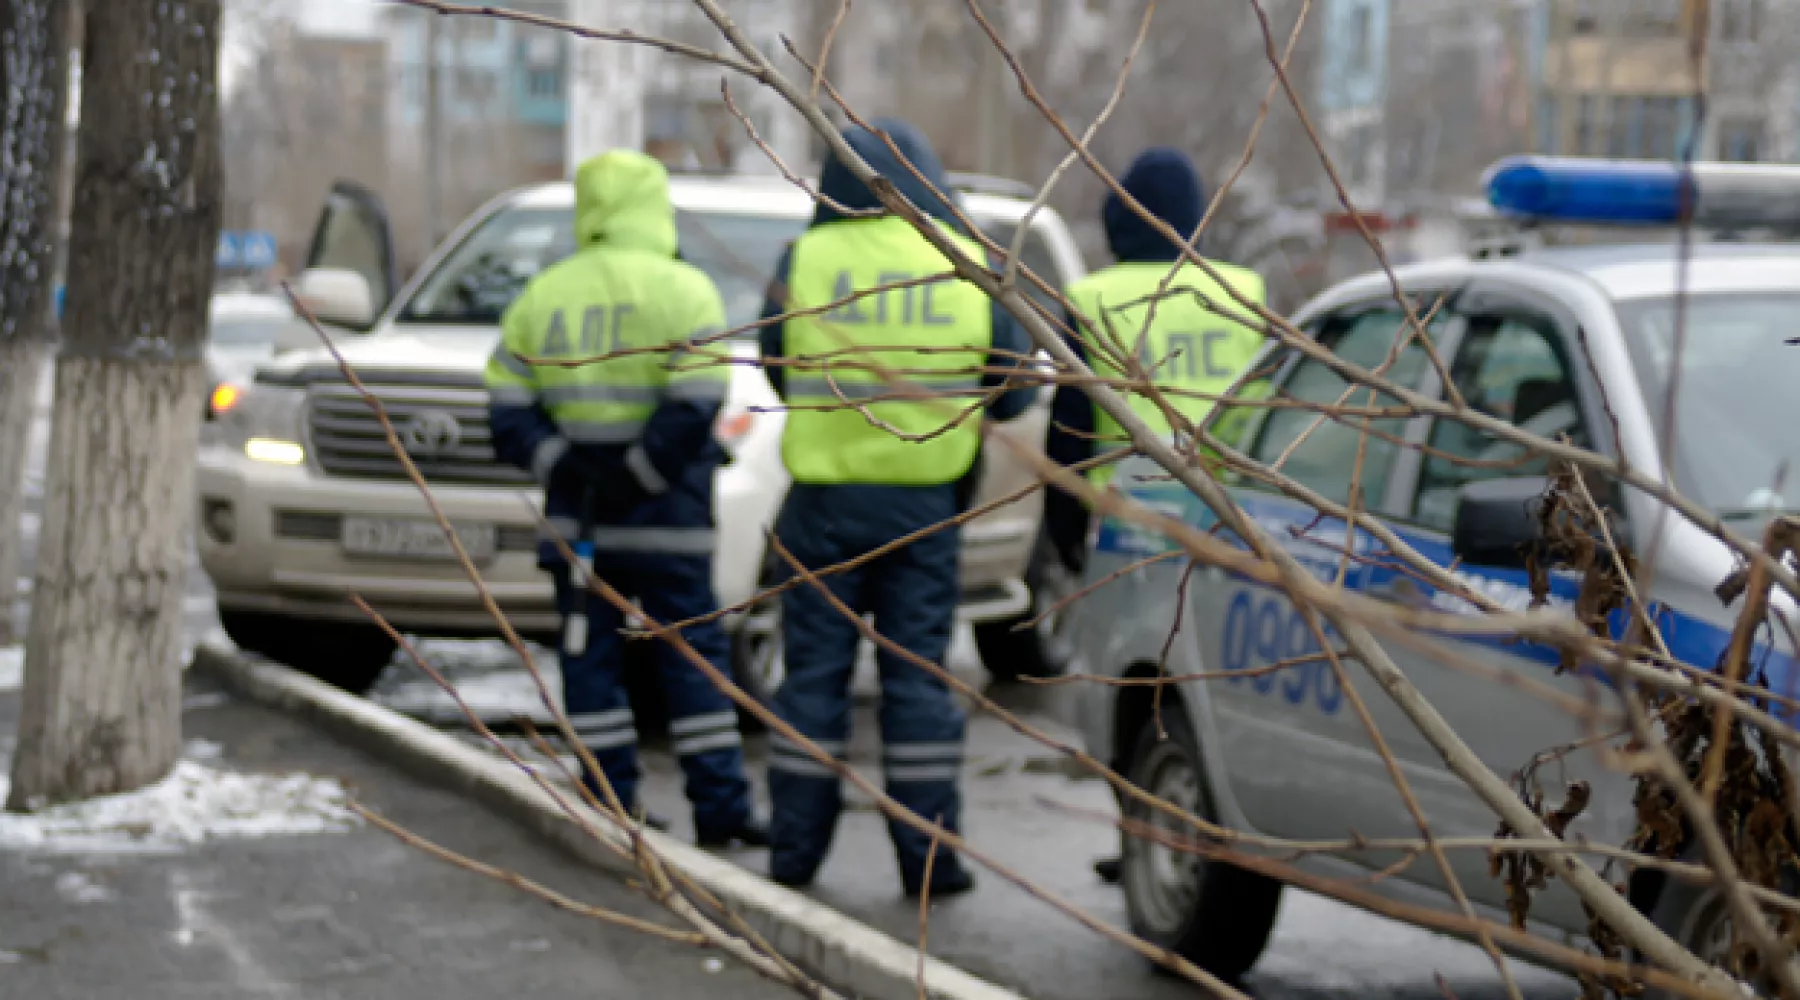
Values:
[(491, 266), (1738, 394)]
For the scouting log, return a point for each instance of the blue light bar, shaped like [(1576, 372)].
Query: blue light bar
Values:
[(1601, 192), (1644, 192)]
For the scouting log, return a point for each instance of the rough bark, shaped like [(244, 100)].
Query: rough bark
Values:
[(36, 38), (102, 697), (21, 360), (101, 704)]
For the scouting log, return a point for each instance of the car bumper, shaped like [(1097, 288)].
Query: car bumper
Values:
[(283, 554)]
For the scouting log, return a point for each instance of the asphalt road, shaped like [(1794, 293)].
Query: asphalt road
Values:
[(1321, 950), (331, 916)]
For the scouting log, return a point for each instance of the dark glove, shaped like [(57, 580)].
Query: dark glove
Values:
[(577, 472), (615, 496)]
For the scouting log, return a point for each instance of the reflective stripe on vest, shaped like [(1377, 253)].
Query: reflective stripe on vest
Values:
[(906, 360), (1188, 346)]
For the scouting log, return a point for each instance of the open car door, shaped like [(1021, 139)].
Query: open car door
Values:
[(350, 273)]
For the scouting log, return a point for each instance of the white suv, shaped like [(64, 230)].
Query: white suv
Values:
[(302, 503)]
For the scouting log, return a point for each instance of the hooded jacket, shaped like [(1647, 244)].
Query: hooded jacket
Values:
[(1166, 183), (837, 183), (626, 258)]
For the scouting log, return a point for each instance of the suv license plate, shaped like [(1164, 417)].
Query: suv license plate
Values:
[(412, 539)]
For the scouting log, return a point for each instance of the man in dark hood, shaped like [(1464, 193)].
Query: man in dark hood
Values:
[(877, 446), (1194, 347), (1188, 343)]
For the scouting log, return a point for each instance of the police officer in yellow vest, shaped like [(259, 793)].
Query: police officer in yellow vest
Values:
[(625, 451), (869, 467), (1186, 345)]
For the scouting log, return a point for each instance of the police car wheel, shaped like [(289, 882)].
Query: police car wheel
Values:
[(1700, 920), (1214, 915), (346, 655)]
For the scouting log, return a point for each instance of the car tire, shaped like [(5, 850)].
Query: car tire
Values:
[(757, 664), (1213, 914), (1699, 919), (343, 654), (1034, 644)]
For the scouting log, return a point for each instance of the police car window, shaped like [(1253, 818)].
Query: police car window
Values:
[(1323, 454), (1036, 255), (1737, 403), (489, 269), (1510, 369)]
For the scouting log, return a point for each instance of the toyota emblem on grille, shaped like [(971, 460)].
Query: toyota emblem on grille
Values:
[(431, 434)]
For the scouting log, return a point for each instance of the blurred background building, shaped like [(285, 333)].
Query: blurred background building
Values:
[(1411, 98)]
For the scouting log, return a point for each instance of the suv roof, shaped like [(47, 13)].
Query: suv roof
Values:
[(762, 194)]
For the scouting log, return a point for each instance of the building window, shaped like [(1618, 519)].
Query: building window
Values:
[(1549, 124), (1625, 129), (1362, 30), (478, 29), (1740, 140), (1663, 129), (1587, 107), (1740, 20), (1658, 18), (1584, 17), (542, 49), (666, 118), (543, 83)]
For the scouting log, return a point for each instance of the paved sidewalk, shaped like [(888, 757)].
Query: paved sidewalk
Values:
[(332, 916)]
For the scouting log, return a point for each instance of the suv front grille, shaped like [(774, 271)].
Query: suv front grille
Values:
[(443, 428)]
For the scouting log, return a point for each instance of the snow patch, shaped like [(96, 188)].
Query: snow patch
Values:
[(78, 887), (486, 675), (495, 697), (12, 667), (194, 804)]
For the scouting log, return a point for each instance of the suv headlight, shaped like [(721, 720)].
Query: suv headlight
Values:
[(266, 424)]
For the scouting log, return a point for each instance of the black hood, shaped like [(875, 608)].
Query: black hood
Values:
[(1164, 181), (837, 183)]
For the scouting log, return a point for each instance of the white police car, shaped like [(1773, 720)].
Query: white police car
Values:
[(1560, 341)]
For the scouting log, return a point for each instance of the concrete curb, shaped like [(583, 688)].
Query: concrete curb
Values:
[(844, 953)]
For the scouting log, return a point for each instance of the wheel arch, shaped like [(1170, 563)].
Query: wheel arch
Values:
[(1136, 706)]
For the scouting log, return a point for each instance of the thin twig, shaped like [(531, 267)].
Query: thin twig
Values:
[(925, 907)]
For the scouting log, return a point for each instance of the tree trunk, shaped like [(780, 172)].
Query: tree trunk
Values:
[(21, 362), (101, 705), (36, 40)]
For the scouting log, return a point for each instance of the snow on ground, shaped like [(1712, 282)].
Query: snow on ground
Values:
[(12, 667), (482, 675), (196, 803)]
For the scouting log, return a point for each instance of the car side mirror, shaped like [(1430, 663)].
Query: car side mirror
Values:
[(337, 296), (1496, 521)]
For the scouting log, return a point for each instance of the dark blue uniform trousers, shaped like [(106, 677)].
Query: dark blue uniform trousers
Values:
[(912, 594), (703, 723)]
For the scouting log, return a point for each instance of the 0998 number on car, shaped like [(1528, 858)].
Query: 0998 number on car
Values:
[(1262, 629)]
